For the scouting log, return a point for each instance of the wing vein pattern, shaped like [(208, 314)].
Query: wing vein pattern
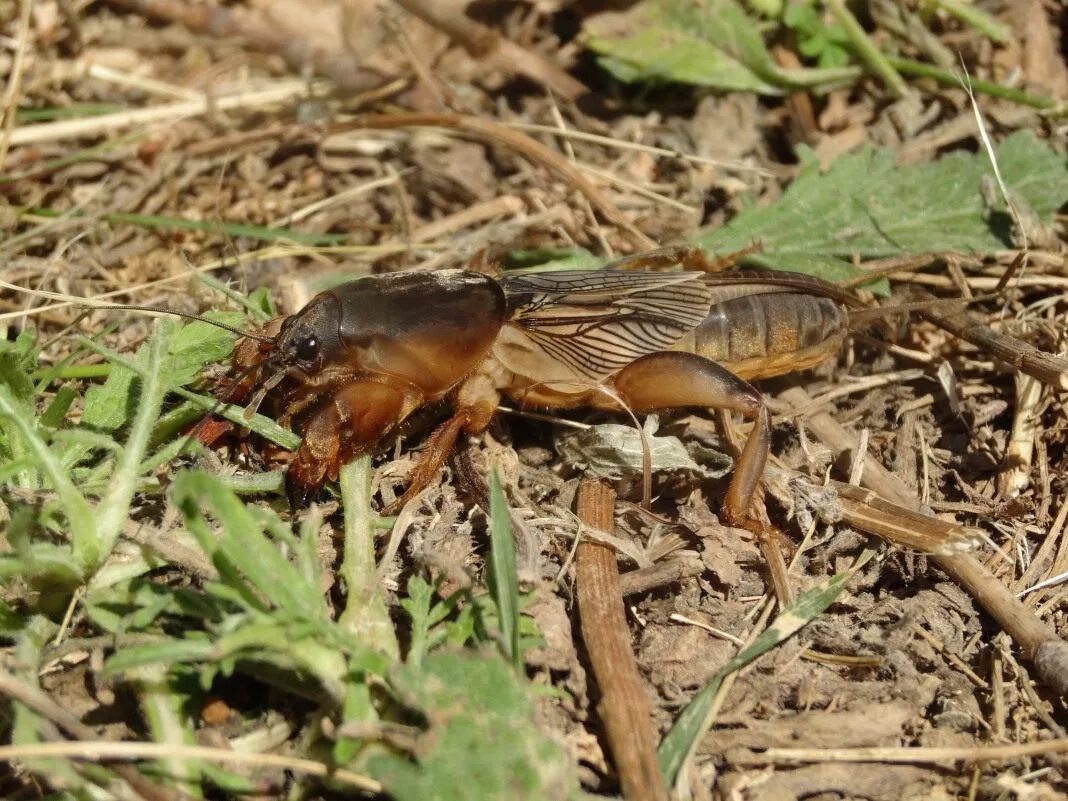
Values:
[(597, 322)]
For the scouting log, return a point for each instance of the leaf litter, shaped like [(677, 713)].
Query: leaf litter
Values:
[(278, 625)]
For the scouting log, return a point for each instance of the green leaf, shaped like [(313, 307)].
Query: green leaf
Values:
[(53, 416), (198, 344), (503, 581), (546, 260), (711, 43), (868, 207), (247, 560), (168, 653), (110, 405), (20, 423), (10, 621), (481, 743), (17, 360)]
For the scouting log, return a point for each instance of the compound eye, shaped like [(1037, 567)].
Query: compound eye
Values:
[(308, 348)]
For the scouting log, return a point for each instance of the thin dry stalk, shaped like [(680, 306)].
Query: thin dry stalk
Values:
[(996, 753), (624, 707), (14, 82), (278, 92), (1015, 475), (527, 147), (43, 705), (1038, 642)]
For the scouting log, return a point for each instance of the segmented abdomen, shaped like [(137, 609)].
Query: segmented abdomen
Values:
[(769, 334)]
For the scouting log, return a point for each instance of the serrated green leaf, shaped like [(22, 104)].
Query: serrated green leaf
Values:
[(198, 344), (481, 743), (711, 43), (110, 405), (868, 207)]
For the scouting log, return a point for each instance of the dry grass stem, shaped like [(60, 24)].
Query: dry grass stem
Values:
[(277, 92), (519, 142)]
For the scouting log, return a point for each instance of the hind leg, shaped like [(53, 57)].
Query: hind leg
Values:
[(673, 379)]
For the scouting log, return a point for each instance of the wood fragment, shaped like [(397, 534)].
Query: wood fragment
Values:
[(624, 706), (1020, 355), (659, 574), (1015, 475), (1038, 641), (902, 526)]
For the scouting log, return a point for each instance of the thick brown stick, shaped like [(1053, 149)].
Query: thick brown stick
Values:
[(624, 707), (1038, 641)]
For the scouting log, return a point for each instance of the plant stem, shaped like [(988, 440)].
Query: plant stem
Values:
[(866, 50), (115, 505), (919, 69), (365, 612)]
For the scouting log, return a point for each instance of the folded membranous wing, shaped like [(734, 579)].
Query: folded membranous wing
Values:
[(583, 326)]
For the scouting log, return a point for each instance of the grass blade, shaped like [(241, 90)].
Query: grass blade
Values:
[(115, 504), (692, 724), (503, 580)]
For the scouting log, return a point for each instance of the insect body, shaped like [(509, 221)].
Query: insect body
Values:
[(358, 359)]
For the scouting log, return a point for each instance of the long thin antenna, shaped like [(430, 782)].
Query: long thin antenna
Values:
[(92, 304), (159, 310)]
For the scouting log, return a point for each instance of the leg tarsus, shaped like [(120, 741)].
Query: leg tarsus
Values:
[(436, 450)]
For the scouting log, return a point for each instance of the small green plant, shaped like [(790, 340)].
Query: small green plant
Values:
[(72, 488), (824, 41)]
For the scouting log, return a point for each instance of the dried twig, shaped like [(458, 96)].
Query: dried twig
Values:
[(14, 80), (624, 706), (1026, 358), (995, 753), (521, 143), (659, 574), (1015, 475), (1038, 642)]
